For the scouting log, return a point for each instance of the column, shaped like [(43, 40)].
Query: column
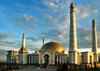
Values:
[(57, 58), (34, 59), (60, 59), (43, 59)]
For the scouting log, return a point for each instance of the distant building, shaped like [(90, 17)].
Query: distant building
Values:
[(53, 52), (12, 56)]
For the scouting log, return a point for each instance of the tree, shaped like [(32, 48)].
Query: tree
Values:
[(70, 66), (0, 65), (7, 66), (95, 65), (65, 67), (75, 66)]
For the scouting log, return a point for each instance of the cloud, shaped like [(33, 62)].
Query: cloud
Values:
[(3, 52), (51, 20), (30, 30), (4, 36), (58, 34), (6, 40), (61, 24), (7, 43), (25, 21), (2, 58), (84, 37), (18, 4), (83, 11), (95, 11), (10, 45), (56, 5), (50, 4), (32, 38), (31, 47), (63, 32)]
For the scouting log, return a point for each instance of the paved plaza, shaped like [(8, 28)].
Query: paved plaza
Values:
[(35, 70)]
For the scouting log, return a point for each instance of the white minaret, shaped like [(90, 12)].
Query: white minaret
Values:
[(43, 41), (73, 37), (22, 57), (23, 40), (94, 41)]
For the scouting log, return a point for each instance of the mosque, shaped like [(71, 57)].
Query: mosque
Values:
[(53, 52)]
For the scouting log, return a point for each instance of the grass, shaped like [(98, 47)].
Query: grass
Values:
[(85, 70)]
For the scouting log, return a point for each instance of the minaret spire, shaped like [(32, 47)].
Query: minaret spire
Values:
[(94, 41), (23, 44), (94, 37), (72, 8), (73, 37), (23, 40), (43, 41)]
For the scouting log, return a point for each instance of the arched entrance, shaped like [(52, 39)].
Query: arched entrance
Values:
[(46, 58), (90, 59)]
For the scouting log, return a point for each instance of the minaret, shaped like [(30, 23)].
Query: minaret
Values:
[(43, 41), (23, 40), (23, 44), (73, 37), (22, 57), (94, 41)]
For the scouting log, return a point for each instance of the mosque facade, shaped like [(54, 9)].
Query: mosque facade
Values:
[(53, 52)]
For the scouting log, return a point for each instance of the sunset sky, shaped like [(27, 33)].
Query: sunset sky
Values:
[(49, 19)]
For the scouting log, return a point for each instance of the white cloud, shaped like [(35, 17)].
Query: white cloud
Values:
[(4, 36), (56, 5), (57, 1), (95, 11), (51, 4), (51, 20), (18, 4), (25, 21), (32, 38), (27, 17), (84, 11), (2, 58), (30, 30)]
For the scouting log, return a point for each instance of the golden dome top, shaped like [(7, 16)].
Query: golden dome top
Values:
[(36, 51), (22, 49), (72, 5), (72, 8), (23, 34), (93, 23), (54, 46)]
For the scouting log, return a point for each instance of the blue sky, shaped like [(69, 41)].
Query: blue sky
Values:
[(46, 18)]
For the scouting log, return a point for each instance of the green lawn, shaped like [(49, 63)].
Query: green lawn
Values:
[(85, 70)]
